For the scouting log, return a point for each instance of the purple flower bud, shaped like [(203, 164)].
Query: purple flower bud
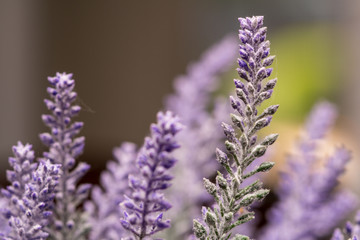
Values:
[(46, 138), (242, 63), (75, 110), (129, 205), (238, 83), (52, 91)]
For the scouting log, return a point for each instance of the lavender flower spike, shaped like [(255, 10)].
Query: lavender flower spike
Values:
[(191, 101), (307, 188), (143, 210), (64, 148), (23, 165), (36, 205), (233, 200), (104, 212)]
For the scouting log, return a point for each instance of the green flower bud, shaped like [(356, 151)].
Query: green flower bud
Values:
[(210, 219), (199, 230)]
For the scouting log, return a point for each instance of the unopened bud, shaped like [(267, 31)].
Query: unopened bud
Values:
[(231, 147), (265, 166), (259, 151), (269, 140), (221, 157), (210, 187)]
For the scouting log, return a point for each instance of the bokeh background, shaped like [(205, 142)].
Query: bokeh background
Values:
[(125, 55)]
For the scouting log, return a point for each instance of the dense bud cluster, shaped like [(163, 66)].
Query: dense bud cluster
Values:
[(229, 193)]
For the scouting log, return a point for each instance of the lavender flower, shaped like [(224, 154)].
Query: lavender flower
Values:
[(308, 208), (143, 210), (63, 149), (233, 200), (23, 165), (193, 90), (351, 231), (103, 210), (36, 205), (192, 100), (29, 199)]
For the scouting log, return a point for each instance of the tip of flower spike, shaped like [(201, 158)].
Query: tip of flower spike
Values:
[(321, 119), (23, 151), (254, 22), (62, 80), (168, 122)]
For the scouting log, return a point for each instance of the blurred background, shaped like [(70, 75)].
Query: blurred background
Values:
[(125, 55)]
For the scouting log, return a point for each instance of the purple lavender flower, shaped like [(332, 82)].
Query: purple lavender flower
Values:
[(308, 208), (28, 200), (104, 212), (233, 200), (64, 148), (193, 90), (143, 210), (23, 165), (351, 230), (36, 205), (191, 101)]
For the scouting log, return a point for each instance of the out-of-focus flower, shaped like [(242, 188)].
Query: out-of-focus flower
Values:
[(308, 208), (104, 212), (191, 102)]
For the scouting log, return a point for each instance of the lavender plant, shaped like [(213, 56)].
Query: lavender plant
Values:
[(232, 199), (45, 201), (68, 220), (143, 210), (309, 193), (104, 218)]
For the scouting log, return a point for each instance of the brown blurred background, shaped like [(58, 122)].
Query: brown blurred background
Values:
[(125, 54)]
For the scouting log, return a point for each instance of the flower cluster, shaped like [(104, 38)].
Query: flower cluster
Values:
[(37, 204), (232, 199), (23, 165), (143, 210), (30, 197)]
